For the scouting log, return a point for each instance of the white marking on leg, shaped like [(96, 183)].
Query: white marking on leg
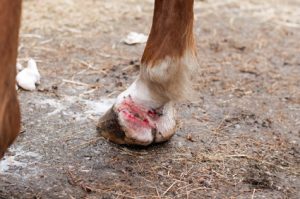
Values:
[(173, 74), (140, 94), (167, 123)]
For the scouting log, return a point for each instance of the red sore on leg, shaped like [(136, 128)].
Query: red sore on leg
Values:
[(129, 122), (137, 116)]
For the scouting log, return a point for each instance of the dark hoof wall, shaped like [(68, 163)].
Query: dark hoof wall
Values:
[(133, 125), (109, 127)]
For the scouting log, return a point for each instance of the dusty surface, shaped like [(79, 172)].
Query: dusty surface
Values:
[(238, 139)]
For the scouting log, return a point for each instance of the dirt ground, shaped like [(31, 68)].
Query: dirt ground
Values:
[(238, 138)]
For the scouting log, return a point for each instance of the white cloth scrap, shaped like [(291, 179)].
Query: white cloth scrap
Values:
[(135, 38), (29, 77)]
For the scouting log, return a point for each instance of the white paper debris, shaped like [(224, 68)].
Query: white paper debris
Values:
[(29, 77), (135, 38)]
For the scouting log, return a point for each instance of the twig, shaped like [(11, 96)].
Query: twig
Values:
[(169, 187), (75, 82), (78, 182), (221, 123), (81, 83), (87, 64), (252, 197), (92, 141), (199, 188)]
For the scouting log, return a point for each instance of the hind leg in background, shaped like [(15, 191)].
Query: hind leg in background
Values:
[(10, 13), (144, 113)]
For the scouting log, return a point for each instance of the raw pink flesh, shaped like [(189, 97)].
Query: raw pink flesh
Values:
[(138, 115)]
